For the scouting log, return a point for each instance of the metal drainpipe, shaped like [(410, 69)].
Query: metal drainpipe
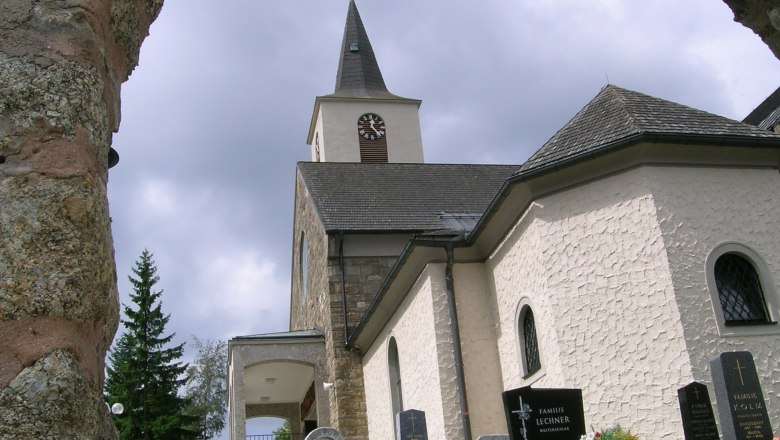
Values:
[(460, 377), (343, 286)]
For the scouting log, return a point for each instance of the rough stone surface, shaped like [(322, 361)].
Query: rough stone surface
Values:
[(61, 65), (321, 307), (762, 17), (54, 388)]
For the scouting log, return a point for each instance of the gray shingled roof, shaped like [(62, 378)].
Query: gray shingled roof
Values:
[(767, 113), (400, 197), (358, 75), (616, 115)]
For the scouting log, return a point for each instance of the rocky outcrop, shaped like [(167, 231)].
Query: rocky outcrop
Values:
[(762, 16), (62, 63)]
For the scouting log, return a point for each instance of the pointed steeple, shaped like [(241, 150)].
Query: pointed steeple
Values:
[(358, 75)]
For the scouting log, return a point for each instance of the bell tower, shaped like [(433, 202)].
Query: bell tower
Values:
[(361, 121)]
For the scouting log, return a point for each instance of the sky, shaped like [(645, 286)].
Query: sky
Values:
[(216, 114)]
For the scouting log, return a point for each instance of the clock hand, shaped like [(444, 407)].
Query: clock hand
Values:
[(374, 128)]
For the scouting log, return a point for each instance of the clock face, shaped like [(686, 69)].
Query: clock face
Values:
[(371, 127)]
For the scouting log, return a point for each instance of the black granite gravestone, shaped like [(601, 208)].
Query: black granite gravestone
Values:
[(544, 413), (696, 410), (410, 425), (741, 404)]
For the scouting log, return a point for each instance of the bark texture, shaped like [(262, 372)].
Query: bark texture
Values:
[(762, 17), (62, 63)]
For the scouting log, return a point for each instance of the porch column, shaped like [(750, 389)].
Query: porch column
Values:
[(237, 410)]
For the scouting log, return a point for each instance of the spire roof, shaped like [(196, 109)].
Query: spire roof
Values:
[(358, 75)]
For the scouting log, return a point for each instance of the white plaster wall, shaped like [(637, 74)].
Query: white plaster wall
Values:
[(697, 210), (477, 325), (417, 333), (337, 125), (592, 261)]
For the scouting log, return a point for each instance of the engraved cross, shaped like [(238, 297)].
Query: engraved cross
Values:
[(739, 369)]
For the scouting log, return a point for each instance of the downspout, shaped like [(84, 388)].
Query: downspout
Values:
[(343, 286), (457, 353)]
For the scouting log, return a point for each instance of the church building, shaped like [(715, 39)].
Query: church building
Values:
[(636, 244)]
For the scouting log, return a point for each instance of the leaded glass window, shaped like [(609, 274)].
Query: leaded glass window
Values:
[(739, 289), (530, 345)]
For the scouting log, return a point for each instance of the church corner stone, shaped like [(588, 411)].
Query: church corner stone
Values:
[(61, 67)]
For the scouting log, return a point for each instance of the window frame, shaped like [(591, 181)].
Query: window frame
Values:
[(303, 265), (528, 377), (768, 288), (396, 389)]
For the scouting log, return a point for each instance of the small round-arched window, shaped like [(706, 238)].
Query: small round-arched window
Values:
[(744, 296), (394, 367), (739, 289), (303, 264), (528, 344)]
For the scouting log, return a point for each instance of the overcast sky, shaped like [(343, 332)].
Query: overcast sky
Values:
[(216, 115)]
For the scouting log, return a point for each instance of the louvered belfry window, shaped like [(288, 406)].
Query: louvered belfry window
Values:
[(373, 151), (739, 289), (531, 347)]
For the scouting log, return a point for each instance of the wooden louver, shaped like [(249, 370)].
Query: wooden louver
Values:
[(373, 151)]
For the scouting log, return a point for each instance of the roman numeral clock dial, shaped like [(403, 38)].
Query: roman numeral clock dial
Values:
[(371, 127)]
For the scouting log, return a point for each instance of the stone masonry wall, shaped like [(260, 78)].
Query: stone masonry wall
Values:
[(321, 307), (61, 67)]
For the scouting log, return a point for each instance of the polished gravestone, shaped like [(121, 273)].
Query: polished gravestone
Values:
[(696, 411), (410, 425), (741, 403), (544, 413), (324, 434)]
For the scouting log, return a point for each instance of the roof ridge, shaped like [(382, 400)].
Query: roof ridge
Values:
[(619, 94)]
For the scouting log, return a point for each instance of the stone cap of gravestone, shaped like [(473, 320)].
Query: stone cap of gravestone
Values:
[(696, 411), (493, 437), (324, 434), (741, 403), (410, 425)]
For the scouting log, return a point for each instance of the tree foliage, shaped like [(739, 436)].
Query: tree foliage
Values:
[(143, 374), (207, 386), (283, 432)]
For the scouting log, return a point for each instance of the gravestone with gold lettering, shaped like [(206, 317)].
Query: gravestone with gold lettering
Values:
[(544, 413), (741, 403), (410, 425), (696, 410)]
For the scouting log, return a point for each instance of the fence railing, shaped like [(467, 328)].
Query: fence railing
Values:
[(293, 436)]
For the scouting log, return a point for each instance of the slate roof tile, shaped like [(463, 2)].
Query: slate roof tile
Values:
[(399, 197), (617, 114)]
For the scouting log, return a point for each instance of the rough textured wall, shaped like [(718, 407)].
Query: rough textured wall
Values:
[(762, 17), (61, 67), (593, 263), (697, 210), (421, 329)]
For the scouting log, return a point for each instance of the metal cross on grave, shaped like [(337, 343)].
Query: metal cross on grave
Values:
[(524, 413)]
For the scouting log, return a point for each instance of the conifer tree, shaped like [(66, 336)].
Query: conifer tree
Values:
[(145, 375)]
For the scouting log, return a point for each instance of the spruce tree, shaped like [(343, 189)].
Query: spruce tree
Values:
[(143, 374)]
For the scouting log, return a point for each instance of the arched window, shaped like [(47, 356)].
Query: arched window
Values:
[(739, 289), (396, 394), (372, 138), (529, 345), (303, 264), (743, 294)]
